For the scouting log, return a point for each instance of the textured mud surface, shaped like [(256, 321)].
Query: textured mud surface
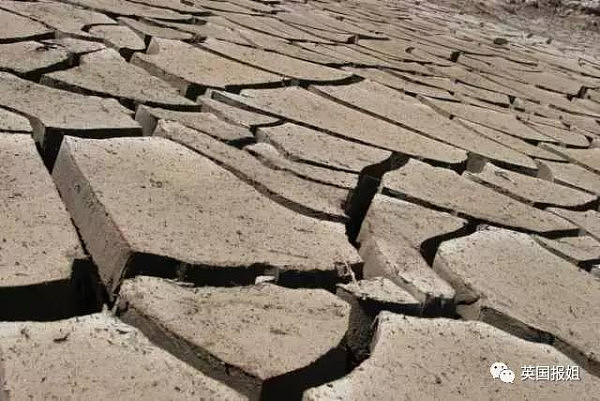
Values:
[(281, 200)]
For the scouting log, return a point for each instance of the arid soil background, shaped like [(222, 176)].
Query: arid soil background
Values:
[(281, 200), (573, 25)]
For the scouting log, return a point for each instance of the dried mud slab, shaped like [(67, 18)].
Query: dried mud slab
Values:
[(460, 90), (503, 122), (391, 239), (299, 14), (120, 38), (368, 298), (39, 247), (474, 80), (395, 49), (447, 190), (560, 135), (481, 97), (531, 190), (205, 30), (553, 81), (142, 206), (552, 300), (348, 54), (276, 63), (339, 37), (265, 341), (130, 9), (175, 6), (31, 58), (588, 221), (15, 28), (569, 174), (208, 123), (582, 124), (297, 50), (588, 104), (314, 147), (306, 197), (276, 28), (302, 106), (404, 85), (587, 158), (54, 113), (259, 6), (270, 156), (593, 94), (95, 357), (235, 115), (147, 31), (510, 141), (583, 251), (75, 46), (62, 17), (426, 358), (537, 97), (380, 290), (190, 68), (387, 103), (12, 122), (222, 6), (106, 73)]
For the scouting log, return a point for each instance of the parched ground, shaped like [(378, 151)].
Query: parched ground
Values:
[(572, 25), (281, 200)]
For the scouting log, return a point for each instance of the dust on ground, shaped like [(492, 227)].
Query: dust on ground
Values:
[(573, 26)]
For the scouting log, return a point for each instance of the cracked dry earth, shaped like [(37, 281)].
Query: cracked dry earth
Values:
[(281, 200)]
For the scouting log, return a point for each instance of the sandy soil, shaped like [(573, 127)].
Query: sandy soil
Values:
[(574, 26)]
